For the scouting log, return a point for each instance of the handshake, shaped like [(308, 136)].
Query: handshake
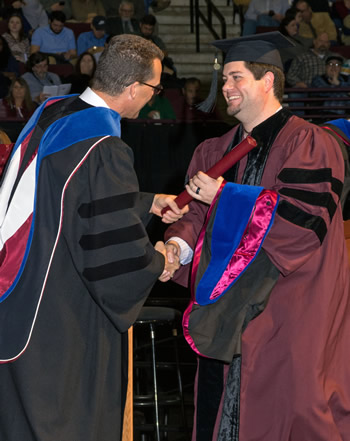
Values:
[(171, 252)]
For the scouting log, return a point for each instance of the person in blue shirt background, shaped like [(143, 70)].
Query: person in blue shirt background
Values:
[(94, 40)]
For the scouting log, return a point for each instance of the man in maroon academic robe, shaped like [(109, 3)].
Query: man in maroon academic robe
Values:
[(289, 380)]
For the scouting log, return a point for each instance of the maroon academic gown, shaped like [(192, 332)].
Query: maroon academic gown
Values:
[(295, 371)]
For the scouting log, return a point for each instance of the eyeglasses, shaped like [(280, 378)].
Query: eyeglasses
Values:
[(334, 64), (156, 89)]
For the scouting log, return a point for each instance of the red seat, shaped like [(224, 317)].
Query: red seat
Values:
[(62, 70), (342, 50), (78, 28)]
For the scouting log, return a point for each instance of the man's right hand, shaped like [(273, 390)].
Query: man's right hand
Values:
[(172, 260)]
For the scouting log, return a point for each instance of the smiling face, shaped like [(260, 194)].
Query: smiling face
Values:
[(244, 95)]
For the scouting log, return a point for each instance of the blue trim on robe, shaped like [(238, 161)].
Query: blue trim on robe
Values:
[(234, 211), (71, 129), (342, 124)]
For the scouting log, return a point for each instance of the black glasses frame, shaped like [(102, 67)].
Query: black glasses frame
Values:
[(156, 89)]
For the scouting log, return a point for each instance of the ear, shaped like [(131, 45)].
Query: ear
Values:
[(133, 90), (269, 78)]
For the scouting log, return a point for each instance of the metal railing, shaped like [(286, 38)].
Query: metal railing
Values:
[(196, 14), (318, 103)]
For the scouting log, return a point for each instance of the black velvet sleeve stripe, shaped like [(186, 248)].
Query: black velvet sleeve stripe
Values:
[(107, 205), (305, 176), (323, 199), (119, 267), (113, 237), (305, 220)]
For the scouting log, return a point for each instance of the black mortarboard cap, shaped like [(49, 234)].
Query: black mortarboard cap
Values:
[(258, 48)]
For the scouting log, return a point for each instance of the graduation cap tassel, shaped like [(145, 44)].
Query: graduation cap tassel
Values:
[(208, 104)]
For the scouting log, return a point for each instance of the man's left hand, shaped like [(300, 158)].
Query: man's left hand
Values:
[(203, 188), (161, 201)]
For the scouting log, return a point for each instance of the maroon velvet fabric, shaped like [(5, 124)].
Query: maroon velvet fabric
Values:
[(295, 355)]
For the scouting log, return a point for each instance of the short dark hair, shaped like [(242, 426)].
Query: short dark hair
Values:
[(36, 58), (260, 69), (148, 19), (58, 15), (126, 59), (192, 80)]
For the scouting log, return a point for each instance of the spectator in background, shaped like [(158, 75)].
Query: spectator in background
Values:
[(85, 10), (35, 14), (158, 107), (126, 23), (289, 27), (332, 78), (18, 43), (19, 103), (264, 13), (305, 67), (84, 71), (112, 8), (188, 111), (314, 23), (64, 6), (147, 26), (341, 12), (55, 39), (38, 76), (8, 64), (94, 40)]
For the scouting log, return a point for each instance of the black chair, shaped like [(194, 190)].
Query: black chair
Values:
[(156, 358)]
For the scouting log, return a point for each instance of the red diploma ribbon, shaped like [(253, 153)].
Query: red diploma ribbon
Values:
[(218, 169)]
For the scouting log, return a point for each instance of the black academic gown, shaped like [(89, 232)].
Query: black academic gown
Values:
[(88, 271)]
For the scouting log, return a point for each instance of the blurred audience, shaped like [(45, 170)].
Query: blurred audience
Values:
[(18, 103), (341, 17), (64, 6), (18, 42), (8, 64), (55, 39), (84, 71), (112, 8), (35, 14), (159, 107), (126, 23), (94, 40), (314, 23), (289, 27), (264, 13), (147, 27), (306, 66), (186, 109), (86, 10), (38, 76), (332, 78)]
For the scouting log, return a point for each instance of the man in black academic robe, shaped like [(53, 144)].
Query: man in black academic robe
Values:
[(76, 261)]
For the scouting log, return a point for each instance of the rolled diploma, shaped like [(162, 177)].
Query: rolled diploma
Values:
[(221, 167)]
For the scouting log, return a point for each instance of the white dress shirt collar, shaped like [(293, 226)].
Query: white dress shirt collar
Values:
[(90, 97)]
